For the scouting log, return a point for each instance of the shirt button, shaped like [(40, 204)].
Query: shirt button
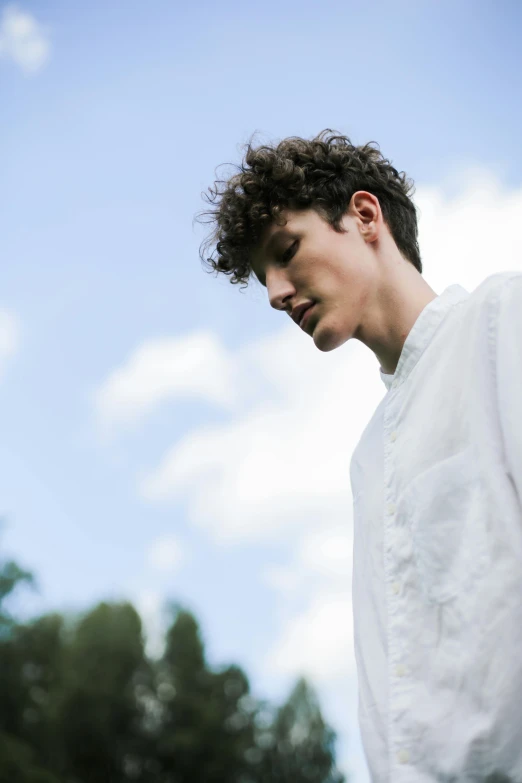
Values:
[(391, 508), (396, 586), (400, 671), (403, 756), (393, 436)]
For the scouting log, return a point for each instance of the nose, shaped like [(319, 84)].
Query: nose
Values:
[(279, 289)]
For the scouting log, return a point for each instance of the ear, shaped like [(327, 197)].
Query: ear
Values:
[(366, 210)]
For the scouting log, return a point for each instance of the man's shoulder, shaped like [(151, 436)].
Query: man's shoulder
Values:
[(484, 300), (493, 286)]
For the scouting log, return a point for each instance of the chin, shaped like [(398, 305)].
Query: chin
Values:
[(328, 340)]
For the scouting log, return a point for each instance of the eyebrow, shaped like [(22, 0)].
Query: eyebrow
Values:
[(275, 236)]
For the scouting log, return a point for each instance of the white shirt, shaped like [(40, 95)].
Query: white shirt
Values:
[(437, 563)]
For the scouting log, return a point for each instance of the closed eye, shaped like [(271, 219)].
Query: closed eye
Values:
[(284, 259), (287, 255)]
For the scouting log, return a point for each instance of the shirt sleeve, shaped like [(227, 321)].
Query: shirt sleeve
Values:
[(509, 375)]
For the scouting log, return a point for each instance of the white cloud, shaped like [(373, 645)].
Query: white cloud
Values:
[(316, 638), (325, 553), (150, 605), (165, 553), (193, 366), (328, 552), (317, 641), (472, 235), (283, 465), (23, 40), (9, 337)]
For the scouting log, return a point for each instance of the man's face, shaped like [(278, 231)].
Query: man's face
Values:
[(307, 261)]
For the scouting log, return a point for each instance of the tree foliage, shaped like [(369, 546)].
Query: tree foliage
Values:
[(81, 702)]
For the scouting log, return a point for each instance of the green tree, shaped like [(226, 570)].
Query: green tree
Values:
[(13, 693), (17, 696), (206, 725), (36, 656), (80, 702), (100, 715), (11, 577), (299, 746), (16, 763)]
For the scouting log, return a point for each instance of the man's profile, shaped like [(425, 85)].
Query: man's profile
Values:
[(330, 229)]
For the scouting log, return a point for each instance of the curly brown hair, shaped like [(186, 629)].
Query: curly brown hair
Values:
[(322, 173)]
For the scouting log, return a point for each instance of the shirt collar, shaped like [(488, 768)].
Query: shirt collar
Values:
[(422, 332)]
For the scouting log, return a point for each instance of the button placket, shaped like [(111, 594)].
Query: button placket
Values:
[(399, 670)]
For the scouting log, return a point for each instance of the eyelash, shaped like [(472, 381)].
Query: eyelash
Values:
[(285, 258)]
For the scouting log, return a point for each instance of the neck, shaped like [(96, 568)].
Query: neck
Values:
[(390, 315)]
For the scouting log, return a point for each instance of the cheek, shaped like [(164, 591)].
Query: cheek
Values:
[(340, 312)]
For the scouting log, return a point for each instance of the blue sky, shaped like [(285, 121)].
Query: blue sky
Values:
[(114, 117)]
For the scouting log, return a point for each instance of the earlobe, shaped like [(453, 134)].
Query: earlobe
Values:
[(370, 231)]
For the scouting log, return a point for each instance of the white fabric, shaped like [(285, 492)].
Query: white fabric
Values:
[(437, 565)]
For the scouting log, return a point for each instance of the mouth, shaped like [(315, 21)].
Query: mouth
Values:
[(304, 316)]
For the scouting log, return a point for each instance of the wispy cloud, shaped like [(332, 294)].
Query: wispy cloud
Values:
[(166, 553), (314, 588), (9, 337), (23, 40), (277, 467), (193, 366)]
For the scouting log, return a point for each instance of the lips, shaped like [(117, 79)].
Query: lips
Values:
[(298, 311), (304, 316)]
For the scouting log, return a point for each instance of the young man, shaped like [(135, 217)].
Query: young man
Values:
[(330, 229)]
